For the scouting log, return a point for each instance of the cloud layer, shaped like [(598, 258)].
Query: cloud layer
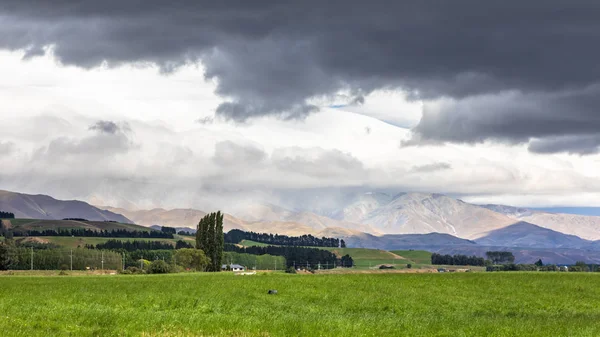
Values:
[(277, 57)]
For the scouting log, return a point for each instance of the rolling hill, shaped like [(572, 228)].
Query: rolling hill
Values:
[(523, 234), (44, 207)]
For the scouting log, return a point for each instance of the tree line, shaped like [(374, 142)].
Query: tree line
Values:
[(296, 256), (580, 266), (500, 257), (19, 258), (80, 232), (6, 215), (457, 260), (130, 246), (210, 239), (236, 236)]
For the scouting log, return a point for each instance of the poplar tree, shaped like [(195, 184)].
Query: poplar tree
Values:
[(210, 239)]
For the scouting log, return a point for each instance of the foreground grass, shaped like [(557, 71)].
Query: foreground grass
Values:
[(476, 304)]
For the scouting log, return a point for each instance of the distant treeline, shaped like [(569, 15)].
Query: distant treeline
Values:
[(6, 215), (457, 260), (297, 256), (20, 258), (579, 266), (168, 230), (115, 233), (500, 257), (130, 246), (76, 219), (236, 236)]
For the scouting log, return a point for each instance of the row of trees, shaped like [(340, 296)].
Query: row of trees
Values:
[(210, 239), (6, 215), (168, 230), (130, 246), (579, 266), (296, 256), (500, 257), (80, 232), (236, 236), (21, 258), (457, 260)]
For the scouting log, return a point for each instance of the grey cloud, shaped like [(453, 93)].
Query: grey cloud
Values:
[(566, 121), (271, 57), (7, 147), (318, 162), (237, 156), (582, 145), (205, 120), (431, 167), (108, 140), (105, 126)]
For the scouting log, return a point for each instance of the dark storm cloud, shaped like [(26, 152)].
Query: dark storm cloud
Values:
[(566, 121), (271, 57)]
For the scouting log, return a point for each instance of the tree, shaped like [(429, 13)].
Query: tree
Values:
[(159, 267), (4, 257), (500, 257), (193, 259), (210, 239), (347, 261), (343, 244), (168, 230), (539, 263)]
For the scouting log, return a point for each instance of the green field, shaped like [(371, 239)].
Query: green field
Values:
[(250, 243), (365, 258), (417, 256), (475, 304)]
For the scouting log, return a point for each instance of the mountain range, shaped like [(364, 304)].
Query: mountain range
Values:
[(371, 220)]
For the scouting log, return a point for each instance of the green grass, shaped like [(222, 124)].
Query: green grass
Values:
[(250, 243), (365, 258), (417, 256), (477, 304)]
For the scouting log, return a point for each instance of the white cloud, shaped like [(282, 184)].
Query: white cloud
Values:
[(161, 155)]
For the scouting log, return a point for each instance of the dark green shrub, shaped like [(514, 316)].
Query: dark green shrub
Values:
[(159, 267)]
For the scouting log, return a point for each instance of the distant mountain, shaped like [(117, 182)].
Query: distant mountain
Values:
[(421, 213), (44, 207), (272, 213), (189, 218), (523, 234), (584, 226), (405, 241), (161, 217)]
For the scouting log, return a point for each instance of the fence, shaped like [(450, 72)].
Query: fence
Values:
[(55, 259)]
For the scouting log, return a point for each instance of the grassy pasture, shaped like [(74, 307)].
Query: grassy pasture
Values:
[(476, 304), (250, 243), (417, 256)]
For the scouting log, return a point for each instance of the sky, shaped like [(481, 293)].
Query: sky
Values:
[(202, 104)]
